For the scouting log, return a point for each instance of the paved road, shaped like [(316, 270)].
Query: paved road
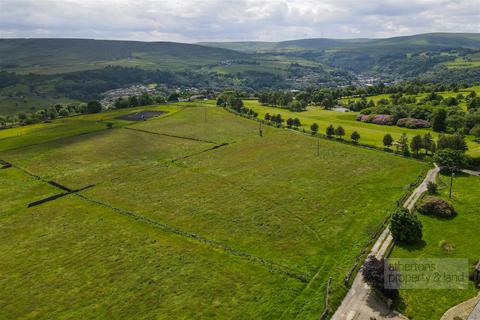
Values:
[(360, 303)]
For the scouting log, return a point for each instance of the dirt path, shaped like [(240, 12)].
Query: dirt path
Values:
[(360, 303)]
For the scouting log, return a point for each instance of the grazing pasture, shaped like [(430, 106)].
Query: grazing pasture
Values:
[(192, 214)]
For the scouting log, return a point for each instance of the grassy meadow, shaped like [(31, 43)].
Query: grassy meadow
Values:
[(205, 172), (461, 233), (370, 133)]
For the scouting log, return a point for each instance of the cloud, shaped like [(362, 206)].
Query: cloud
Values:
[(217, 20)]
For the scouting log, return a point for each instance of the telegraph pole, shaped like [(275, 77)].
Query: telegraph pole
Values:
[(318, 146), (260, 129), (451, 183)]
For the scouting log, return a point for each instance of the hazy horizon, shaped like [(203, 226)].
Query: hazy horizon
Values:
[(220, 41)]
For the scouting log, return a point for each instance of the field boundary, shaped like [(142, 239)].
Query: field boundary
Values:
[(325, 137), (203, 151), (272, 266), (59, 195), (169, 135), (168, 114), (381, 226), (326, 311)]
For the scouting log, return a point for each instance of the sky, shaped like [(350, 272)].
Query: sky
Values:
[(234, 20)]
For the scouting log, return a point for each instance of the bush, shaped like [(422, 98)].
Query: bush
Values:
[(446, 246), (405, 227), (373, 272), (383, 119), (363, 118), (436, 206), (432, 187), (413, 123)]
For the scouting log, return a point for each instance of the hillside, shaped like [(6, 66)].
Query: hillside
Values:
[(389, 58), (76, 54), (426, 41), (35, 73)]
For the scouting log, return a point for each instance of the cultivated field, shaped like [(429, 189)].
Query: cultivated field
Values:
[(461, 232), (371, 134), (192, 215)]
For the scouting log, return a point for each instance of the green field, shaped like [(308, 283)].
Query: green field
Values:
[(370, 133), (192, 214), (461, 232)]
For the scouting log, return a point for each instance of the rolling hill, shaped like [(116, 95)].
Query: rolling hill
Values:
[(428, 41), (42, 55), (38, 72)]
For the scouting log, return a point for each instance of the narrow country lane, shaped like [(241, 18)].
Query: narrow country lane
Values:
[(360, 303)]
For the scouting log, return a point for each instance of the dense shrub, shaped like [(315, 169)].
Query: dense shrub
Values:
[(373, 272), (405, 227), (413, 123), (432, 187), (437, 207), (383, 119), (363, 118)]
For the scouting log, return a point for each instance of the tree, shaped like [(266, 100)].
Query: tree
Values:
[(133, 101), (94, 107), (296, 122), (339, 131), (450, 159), (173, 97), (330, 131), (328, 102), (220, 102), (403, 144), (474, 103), (387, 140), (267, 116), (439, 120), (456, 122), (145, 100), (475, 131), (289, 122), (373, 272), (416, 144), (455, 142), (277, 119), (428, 143), (432, 187), (405, 227), (355, 136), (314, 128)]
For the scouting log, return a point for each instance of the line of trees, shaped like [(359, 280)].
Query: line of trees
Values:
[(142, 100), (50, 113)]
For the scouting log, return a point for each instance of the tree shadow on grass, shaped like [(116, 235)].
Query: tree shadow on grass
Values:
[(413, 246), (399, 304)]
